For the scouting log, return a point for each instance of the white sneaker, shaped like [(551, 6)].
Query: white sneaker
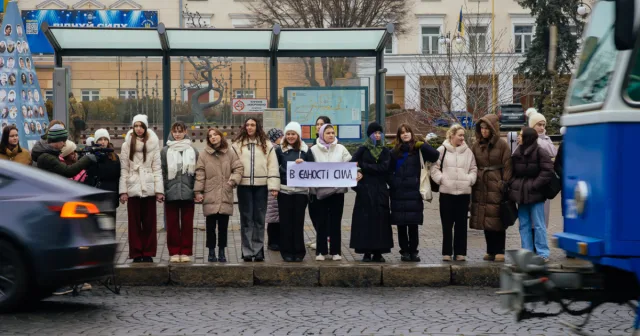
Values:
[(174, 259), (85, 287), (320, 257), (337, 257), (313, 246), (185, 258)]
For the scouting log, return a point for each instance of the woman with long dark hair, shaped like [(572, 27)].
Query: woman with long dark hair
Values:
[(106, 173), (261, 177), (218, 171), (532, 171), (407, 205), (141, 186), (10, 147)]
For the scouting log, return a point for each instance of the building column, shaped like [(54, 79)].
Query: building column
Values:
[(412, 91)]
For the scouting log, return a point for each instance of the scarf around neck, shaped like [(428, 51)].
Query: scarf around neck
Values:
[(188, 161), (375, 149)]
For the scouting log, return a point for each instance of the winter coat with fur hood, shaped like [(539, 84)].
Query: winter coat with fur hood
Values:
[(459, 171), (139, 177)]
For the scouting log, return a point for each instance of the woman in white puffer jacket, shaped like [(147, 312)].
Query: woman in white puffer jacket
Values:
[(456, 173), (141, 186)]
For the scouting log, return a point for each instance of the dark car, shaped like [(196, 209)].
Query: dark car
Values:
[(54, 232), (511, 116)]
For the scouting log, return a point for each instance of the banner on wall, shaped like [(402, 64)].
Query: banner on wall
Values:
[(21, 101), (33, 19)]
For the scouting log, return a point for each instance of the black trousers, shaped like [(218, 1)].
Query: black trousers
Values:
[(328, 213), (314, 209), (453, 215), (408, 238), (273, 233), (223, 225), (292, 212), (496, 241)]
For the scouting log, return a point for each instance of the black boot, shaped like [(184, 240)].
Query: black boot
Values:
[(405, 256), (222, 258), (415, 257), (367, 257), (212, 255), (377, 257), (260, 255)]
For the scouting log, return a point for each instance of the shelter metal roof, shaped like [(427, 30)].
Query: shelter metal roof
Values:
[(288, 42)]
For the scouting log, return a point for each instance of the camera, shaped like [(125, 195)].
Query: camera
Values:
[(95, 149)]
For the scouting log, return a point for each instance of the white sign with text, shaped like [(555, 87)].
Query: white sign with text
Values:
[(322, 174)]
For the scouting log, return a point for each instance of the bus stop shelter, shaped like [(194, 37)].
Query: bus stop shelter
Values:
[(176, 42)]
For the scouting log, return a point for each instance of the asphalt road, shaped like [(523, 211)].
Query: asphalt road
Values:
[(293, 311)]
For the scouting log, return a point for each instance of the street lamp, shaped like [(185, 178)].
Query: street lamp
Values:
[(583, 9)]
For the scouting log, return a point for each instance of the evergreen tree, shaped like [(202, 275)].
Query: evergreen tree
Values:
[(563, 14)]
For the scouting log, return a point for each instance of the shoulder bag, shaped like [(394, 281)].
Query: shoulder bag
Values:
[(508, 208), (425, 181)]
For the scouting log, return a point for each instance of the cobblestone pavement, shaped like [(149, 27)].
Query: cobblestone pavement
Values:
[(430, 237), (293, 311)]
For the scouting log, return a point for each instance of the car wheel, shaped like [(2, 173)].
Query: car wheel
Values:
[(13, 277)]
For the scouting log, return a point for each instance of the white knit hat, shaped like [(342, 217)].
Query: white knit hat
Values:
[(141, 118), (102, 133), (69, 147), (90, 141), (534, 117), (294, 126)]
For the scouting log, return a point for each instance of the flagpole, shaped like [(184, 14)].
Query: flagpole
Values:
[(493, 56)]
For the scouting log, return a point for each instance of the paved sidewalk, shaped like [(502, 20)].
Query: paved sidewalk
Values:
[(430, 239)]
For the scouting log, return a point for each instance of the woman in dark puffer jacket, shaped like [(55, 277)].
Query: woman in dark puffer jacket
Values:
[(532, 172), (407, 205)]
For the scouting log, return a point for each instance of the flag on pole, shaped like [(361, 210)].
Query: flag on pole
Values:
[(460, 24)]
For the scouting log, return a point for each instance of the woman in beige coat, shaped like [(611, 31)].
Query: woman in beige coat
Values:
[(218, 172), (456, 173)]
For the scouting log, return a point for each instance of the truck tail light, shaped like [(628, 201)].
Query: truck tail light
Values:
[(75, 209)]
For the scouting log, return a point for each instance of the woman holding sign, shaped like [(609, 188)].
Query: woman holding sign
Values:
[(292, 201), (261, 177), (371, 232), (328, 203)]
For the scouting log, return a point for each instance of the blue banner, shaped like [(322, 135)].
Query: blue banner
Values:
[(38, 43)]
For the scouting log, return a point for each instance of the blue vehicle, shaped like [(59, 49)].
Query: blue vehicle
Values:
[(600, 199)]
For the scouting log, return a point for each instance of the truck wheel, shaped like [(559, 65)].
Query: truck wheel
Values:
[(13, 278)]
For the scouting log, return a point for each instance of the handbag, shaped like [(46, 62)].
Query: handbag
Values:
[(434, 186), (508, 208), (553, 188), (425, 181), (326, 192)]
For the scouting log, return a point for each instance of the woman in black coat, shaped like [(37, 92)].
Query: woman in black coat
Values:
[(105, 174), (407, 205), (371, 232)]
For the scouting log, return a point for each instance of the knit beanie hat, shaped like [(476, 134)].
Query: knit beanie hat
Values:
[(90, 141), (102, 133), (141, 118), (373, 127), (534, 117), (69, 147), (57, 133), (274, 134), (294, 126)]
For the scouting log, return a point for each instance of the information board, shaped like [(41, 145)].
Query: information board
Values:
[(346, 107)]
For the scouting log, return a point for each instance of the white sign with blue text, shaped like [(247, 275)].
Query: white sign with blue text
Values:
[(322, 174)]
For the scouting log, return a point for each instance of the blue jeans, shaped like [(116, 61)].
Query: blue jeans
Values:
[(528, 215)]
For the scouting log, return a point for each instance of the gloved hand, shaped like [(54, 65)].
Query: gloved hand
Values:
[(92, 157)]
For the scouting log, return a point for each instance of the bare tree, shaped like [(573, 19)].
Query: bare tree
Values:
[(330, 14), (459, 74), (204, 80)]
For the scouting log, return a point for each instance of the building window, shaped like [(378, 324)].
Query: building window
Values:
[(388, 97), (388, 48), (128, 94), (430, 37), (477, 39), (48, 95), (90, 95), (523, 37), (245, 93)]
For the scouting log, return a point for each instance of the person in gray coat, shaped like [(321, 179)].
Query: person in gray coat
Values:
[(179, 160), (273, 218)]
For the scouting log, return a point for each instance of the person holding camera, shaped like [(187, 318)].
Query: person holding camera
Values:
[(46, 154), (105, 174)]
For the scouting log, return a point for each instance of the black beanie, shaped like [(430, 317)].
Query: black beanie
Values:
[(374, 127)]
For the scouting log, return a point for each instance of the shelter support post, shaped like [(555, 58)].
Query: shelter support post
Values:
[(60, 90), (380, 101), (166, 96), (273, 81)]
